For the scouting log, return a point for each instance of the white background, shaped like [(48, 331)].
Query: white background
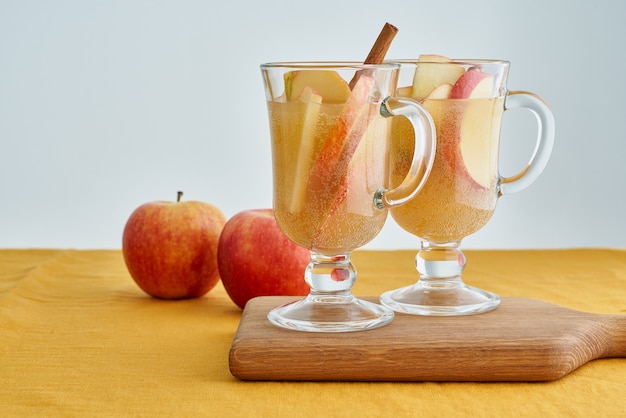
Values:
[(105, 105)]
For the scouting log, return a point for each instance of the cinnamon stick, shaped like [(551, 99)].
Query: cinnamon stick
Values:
[(331, 168), (379, 49)]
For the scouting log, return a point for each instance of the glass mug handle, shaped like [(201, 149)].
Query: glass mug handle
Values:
[(423, 154), (543, 147)]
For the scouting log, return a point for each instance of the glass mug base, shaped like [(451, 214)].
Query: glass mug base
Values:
[(445, 298), (330, 312)]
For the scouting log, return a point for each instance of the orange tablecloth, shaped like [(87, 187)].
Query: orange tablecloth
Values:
[(78, 338)]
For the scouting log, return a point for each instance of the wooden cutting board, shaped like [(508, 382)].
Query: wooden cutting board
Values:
[(522, 340)]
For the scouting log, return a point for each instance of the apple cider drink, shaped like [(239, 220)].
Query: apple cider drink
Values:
[(458, 198), (338, 215)]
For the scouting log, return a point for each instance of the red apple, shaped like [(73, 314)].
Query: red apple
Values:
[(170, 248), (255, 258)]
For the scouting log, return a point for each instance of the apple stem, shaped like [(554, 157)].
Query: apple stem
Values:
[(178, 196)]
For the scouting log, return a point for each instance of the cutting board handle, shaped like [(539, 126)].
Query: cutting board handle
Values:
[(616, 331)]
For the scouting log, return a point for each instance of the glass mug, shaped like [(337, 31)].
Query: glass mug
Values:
[(330, 128), (466, 99)]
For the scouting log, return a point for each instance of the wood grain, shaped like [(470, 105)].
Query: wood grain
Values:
[(522, 340)]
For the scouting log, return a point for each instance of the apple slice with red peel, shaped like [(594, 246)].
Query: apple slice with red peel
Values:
[(475, 134), (473, 84), (365, 173), (312, 100), (329, 171), (327, 84), (366, 170), (474, 129), (431, 72)]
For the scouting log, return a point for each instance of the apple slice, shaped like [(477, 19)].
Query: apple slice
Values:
[(329, 171), (366, 171), (473, 84), (313, 103), (475, 132), (431, 72), (405, 91), (441, 92), (327, 84), (475, 127)]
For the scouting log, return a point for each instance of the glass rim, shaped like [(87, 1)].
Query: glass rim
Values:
[(458, 61), (329, 65)]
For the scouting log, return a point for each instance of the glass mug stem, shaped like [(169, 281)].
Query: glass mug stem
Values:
[(440, 261), (440, 289), (330, 276), (440, 267)]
